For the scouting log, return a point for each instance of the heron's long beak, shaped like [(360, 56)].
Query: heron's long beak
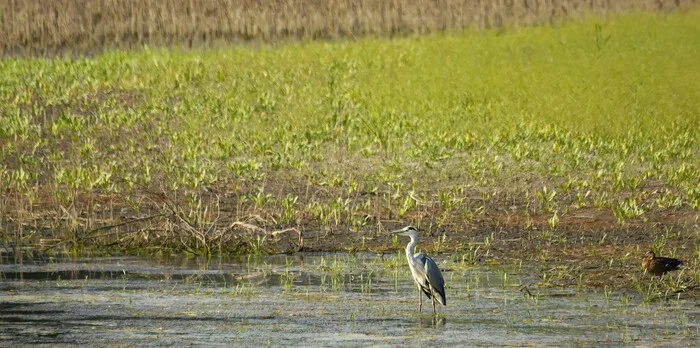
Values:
[(397, 231)]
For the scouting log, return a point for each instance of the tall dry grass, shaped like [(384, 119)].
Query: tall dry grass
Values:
[(85, 25)]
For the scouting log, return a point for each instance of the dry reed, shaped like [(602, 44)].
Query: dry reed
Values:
[(87, 25)]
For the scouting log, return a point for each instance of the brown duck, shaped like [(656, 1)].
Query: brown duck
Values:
[(659, 265)]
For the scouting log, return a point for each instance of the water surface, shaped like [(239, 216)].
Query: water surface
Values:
[(316, 299)]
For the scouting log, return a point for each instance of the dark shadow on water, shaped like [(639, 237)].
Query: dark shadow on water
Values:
[(5, 306)]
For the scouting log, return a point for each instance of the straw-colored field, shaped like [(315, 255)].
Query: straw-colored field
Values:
[(80, 26)]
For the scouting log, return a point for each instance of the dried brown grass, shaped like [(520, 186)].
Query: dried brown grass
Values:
[(87, 25)]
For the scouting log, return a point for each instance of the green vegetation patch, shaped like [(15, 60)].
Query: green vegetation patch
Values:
[(246, 147)]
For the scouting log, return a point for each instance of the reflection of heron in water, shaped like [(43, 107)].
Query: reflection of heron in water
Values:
[(424, 270), (432, 321)]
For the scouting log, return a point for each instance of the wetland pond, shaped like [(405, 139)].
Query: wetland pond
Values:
[(316, 299)]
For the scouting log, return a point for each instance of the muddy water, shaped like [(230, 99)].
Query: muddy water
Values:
[(315, 299)]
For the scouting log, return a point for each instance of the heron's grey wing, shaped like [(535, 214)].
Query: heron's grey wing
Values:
[(435, 280), (419, 275)]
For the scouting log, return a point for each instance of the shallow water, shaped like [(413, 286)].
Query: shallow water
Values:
[(315, 299)]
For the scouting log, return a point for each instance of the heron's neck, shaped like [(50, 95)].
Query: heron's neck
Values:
[(411, 247)]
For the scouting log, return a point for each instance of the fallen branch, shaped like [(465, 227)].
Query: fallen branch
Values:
[(88, 234)]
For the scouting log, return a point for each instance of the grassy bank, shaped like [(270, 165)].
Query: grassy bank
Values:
[(589, 126), (81, 26)]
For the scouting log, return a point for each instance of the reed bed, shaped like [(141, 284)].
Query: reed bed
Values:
[(82, 26)]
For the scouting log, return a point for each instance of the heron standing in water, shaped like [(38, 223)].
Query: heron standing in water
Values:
[(424, 270)]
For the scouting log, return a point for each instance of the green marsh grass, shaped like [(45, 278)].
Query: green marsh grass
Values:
[(171, 147)]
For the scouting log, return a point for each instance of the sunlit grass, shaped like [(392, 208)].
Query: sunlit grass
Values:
[(438, 129)]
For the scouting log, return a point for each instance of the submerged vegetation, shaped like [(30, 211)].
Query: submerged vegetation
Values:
[(587, 132)]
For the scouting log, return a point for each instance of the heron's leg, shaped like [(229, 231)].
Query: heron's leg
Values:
[(434, 310), (420, 300)]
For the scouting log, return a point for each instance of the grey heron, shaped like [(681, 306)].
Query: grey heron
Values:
[(424, 270)]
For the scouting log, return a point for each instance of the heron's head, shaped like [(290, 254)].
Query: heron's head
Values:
[(408, 231)]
